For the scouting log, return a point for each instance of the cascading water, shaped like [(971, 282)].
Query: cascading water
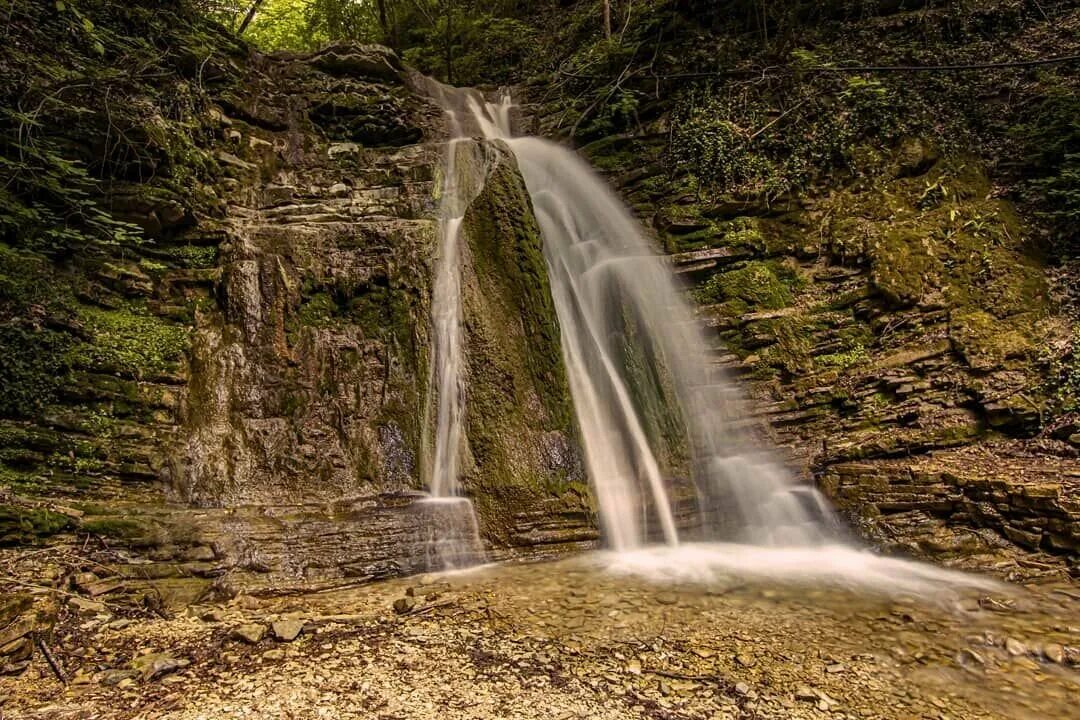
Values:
[(662, 427), (650, 402), (452, 536)]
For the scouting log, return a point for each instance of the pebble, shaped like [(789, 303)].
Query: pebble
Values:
[(1054, 653), (1014, 647)]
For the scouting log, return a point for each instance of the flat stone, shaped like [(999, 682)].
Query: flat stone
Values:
[(86, 607), (287, 630), (250, 633), (17, 650), (156, 665), (20, 628)]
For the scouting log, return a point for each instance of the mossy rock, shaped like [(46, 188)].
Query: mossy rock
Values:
[(29, 526), (128, 341), (985, 342), (760, 284), (902, 268)]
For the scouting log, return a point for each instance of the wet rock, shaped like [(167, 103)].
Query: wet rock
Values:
[(428, 591), (250, 633), (287, 630), (1055, 653), (1015, 648)]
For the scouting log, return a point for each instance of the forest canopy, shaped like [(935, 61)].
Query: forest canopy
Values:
[(471, 41)]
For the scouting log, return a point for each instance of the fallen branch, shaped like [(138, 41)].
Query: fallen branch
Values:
[(53, 664), (428, 608)]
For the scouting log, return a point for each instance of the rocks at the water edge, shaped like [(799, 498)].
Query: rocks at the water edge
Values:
[(250, 633), (1054, 652)]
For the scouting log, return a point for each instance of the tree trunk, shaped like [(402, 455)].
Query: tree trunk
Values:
[(384, 23), (449, 43), (607, 19), (249, 17)]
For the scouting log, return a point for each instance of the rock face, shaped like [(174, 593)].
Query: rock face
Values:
[(249, 392)]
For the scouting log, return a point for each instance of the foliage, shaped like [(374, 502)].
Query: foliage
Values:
[(1062, 374), (483, 48), (731, 139), (1050, 140), (49, 202)]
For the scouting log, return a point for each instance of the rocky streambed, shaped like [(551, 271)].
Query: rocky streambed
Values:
[(575, 638)]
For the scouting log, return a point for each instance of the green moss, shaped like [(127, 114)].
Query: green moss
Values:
[(508, 252), (194, 256), (764, 285), (26, 526), (985, 341), (902, 267), (791, 353), (843, 360), (128, 341)]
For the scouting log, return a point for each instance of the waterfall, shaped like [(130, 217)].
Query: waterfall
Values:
[(448, 520), (661, 424)]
